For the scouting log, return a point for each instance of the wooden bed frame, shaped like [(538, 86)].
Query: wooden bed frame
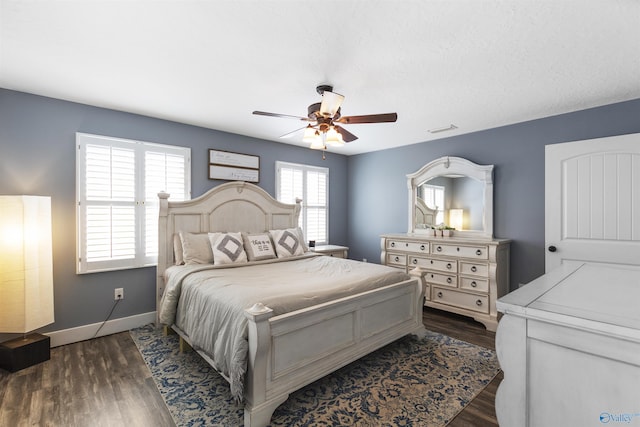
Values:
[(289, 351)]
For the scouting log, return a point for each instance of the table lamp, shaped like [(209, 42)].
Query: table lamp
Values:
[(456, 218), (26, 279)]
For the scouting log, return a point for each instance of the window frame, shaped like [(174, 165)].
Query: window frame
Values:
[(139, 203), (440, 209), (305, 206)]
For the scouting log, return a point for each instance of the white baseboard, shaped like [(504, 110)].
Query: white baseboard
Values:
[(85, 332)]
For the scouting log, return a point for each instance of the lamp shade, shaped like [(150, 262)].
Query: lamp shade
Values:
[(310, 135), (26, 265), (334, 138), (317, 144)]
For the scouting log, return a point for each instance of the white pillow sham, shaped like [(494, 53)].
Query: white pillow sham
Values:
[(288, 242), (227, 248)]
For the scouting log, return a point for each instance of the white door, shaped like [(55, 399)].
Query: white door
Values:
[(592, 201)]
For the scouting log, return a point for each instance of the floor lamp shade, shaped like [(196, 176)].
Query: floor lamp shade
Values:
[(26, 265)]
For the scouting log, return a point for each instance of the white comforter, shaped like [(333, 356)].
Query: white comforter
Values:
[(207, 302)]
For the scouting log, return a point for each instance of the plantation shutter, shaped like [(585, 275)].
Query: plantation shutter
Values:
[(117, 184), (433, 196), (310, 184), (316, 204)]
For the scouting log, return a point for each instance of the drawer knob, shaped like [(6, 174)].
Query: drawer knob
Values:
[(432, 276), (431, 261), (473, 268), (397, 259), (448, 279), (439, 294), (393, 244), (474, 284), (406, 245), (415, 261), (479, 303), (478, 252), (449, 266), (439, 249), (422, 247)]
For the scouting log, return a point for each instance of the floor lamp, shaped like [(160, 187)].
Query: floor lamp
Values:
[(26, 279)]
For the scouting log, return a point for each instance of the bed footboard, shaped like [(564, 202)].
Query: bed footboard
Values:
[(290, 351)]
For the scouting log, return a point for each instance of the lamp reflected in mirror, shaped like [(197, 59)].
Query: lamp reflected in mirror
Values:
[(456, 218)]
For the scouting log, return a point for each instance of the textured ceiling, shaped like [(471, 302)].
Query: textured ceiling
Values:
[(476, 64)]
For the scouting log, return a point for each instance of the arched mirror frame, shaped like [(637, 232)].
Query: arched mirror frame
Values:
[(454, 166)]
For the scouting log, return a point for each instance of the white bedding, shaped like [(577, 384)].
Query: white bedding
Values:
[(207, 302)]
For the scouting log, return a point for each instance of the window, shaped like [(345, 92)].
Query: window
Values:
[(311, 184), (117, 186), (433, 196)]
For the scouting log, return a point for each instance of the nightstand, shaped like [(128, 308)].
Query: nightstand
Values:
[(331, 250)]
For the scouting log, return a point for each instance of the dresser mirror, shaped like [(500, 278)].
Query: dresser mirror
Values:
[(455, 192)]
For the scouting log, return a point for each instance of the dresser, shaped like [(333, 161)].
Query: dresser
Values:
[(569, 346), (460, 275)]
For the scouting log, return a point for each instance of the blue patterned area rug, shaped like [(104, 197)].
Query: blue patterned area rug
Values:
[(410, 382)]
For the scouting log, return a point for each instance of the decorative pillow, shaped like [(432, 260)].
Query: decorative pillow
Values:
[(258, 246), (178, 254), (227, 248), (288, 242), (196, 248), (305, 248)]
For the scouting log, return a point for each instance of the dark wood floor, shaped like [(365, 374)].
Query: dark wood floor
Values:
[(105, 382), (481, 411)]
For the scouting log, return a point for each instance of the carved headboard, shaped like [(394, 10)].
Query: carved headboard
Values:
[(424, 214), (234, 206)]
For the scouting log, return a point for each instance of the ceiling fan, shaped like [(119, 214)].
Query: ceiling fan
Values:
[(324, 117)]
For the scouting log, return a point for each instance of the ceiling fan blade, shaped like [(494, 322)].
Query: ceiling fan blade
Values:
[(286, 116), (293, 133), (331, 102), (370, 118), (346, 135)]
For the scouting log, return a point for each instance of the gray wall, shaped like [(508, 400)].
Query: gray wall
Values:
[(378, 189), (367, 192), (37, 156)]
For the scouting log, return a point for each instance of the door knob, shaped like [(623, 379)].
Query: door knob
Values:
[(552, 248)]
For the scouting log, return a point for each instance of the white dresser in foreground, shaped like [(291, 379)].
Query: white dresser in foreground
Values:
[(569, 346), (460, 275)]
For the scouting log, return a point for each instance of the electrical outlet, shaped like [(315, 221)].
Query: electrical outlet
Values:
[(364, 260), (119, 294)]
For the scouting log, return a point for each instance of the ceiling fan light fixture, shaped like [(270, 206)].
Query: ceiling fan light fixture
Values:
[(317, 143), (334, 139), (310, 135), (330, 103), (323, 118)]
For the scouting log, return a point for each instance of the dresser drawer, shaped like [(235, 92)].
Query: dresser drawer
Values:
[(442, 279), (450, 266), (396, 260), (479, 303), (406, 246), (474, 269), (476, 252), (474, 284)]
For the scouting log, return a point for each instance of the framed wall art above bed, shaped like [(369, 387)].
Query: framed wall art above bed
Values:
[(229, 166)]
